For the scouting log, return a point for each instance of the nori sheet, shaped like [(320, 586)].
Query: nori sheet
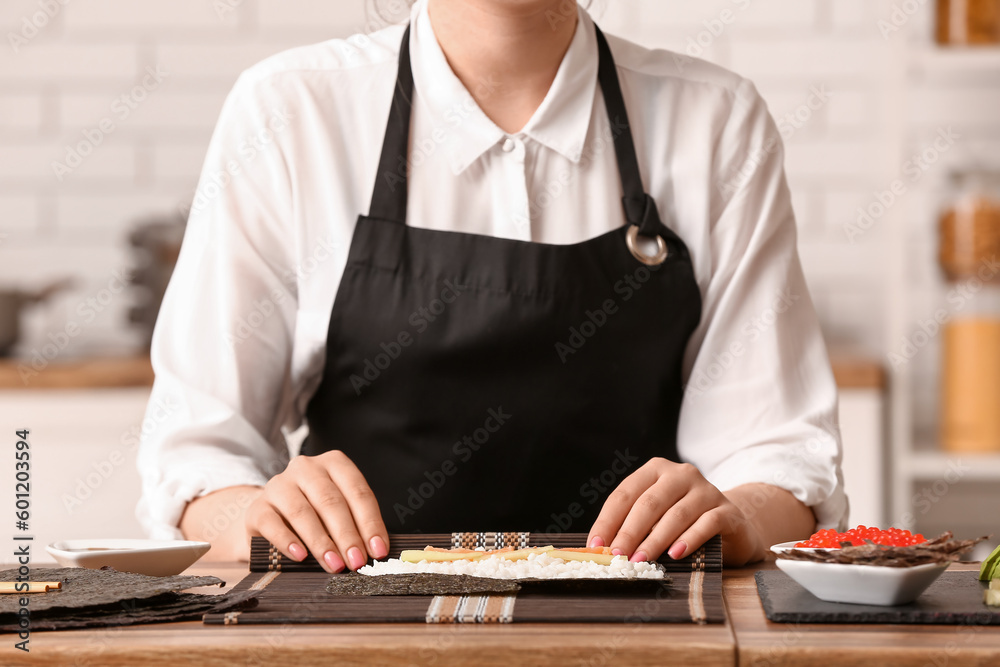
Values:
[(102, 598), (418, 584), (162, 609), (91, 588), (425, 583)]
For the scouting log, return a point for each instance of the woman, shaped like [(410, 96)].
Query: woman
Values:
[(574, 303)]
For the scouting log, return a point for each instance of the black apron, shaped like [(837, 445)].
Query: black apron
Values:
[(482, 383)]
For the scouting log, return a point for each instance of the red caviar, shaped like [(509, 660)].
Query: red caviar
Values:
[(831, 539)]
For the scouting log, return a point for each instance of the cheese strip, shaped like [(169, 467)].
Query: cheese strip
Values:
[(602, 556), (602, 559), (413, 556), (522, 554)]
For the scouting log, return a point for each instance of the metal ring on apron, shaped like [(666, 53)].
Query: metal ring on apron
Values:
[(632, 241)]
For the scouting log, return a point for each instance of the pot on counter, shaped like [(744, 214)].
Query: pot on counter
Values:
[(12, 304)]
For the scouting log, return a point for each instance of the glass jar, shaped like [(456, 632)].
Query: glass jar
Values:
[(969, 230), (968, 22), (969, 253)]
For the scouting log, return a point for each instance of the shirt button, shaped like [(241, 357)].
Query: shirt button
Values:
[(508, 145)]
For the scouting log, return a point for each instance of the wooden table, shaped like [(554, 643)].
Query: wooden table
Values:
[(747, 640), (761, 643), (375, 644)]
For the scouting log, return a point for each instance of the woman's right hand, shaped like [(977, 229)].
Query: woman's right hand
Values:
[(323, 504)]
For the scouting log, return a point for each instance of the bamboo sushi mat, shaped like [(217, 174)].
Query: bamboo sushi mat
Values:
[(296, 592)]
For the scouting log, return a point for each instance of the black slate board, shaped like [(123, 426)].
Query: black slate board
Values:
[(956, 598)]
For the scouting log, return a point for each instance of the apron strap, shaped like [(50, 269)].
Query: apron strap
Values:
[(639, 207), (390, 192)]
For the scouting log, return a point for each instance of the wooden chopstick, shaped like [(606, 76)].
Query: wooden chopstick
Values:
[(33, 586)]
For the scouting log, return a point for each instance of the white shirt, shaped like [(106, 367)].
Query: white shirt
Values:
[(240, 342)]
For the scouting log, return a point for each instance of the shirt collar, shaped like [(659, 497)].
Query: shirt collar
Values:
[(560, 123)]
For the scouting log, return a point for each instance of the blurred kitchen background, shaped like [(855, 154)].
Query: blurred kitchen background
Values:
[(890, 111)]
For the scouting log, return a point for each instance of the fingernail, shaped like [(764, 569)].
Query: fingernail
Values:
[(677, 550), (638, 557), (297, 552), (617, 552), (355, 558), (596, 541), (379, 549), (334, 561)]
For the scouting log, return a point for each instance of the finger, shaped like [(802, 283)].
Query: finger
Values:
[(707, 526), (680, 517), (299, 512), (663, 497), (267, 523), (619, 502), (333, 515), (363, 504)]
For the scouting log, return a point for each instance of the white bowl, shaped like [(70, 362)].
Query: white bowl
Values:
[(158, 558), (859, 584)]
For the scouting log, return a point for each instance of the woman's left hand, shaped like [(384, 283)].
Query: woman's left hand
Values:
[(667, 506)]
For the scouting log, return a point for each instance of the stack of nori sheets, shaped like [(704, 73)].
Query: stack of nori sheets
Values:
[(101, 598), (302, 593)]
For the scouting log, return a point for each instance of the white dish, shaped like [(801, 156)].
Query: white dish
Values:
[(859, 584), (785, 546), (158, 558)]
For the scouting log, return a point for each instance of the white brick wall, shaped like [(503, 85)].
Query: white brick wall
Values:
[(114, 17), (312, 14), (20, 114), (90, 52), (64, 61)]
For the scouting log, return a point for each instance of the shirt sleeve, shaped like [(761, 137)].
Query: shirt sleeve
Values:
[(222, 344), (760, 403)]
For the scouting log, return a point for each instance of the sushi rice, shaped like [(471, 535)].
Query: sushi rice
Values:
[(535, 566)]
